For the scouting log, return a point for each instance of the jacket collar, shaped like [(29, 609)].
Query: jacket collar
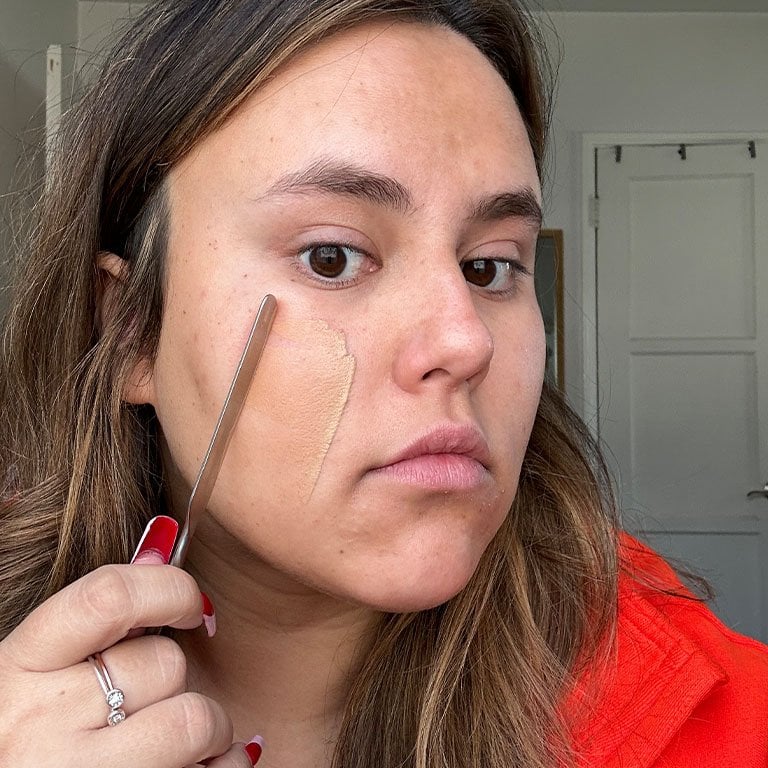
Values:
[(657, 677)]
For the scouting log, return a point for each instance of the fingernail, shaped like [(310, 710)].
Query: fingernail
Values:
[(209, 615), (254, 748), (158, 539)]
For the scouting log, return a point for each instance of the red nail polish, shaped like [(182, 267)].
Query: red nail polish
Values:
[(254, 749), (209, 615), (159, 536)]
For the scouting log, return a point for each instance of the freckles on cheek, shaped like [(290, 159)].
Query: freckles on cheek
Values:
[(301, 386)]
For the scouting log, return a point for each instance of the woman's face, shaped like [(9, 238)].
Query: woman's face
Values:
[(382, 187)]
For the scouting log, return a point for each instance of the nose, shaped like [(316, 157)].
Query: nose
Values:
[(445, 341)]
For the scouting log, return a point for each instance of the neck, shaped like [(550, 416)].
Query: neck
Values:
[(283, 655)]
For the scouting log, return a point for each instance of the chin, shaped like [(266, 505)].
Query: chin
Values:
[(416, 600), (409, 590), (421, 571)]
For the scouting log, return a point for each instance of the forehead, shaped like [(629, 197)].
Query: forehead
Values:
[(419, 102)]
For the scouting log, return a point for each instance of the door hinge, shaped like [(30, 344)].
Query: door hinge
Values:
[(594, 212)]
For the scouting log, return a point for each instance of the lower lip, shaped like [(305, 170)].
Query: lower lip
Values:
[(436, 471)]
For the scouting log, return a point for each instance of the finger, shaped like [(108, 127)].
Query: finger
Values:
[(99, 609), (147, 670), (239, 755), (175, 732), (148, 556)]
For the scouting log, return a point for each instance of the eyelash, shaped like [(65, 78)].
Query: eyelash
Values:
[(515, 266)]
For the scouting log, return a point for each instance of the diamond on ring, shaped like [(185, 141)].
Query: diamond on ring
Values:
[(115, 716), (115, 697)]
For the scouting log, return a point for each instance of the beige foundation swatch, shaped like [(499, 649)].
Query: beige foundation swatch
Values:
[(301, 387)]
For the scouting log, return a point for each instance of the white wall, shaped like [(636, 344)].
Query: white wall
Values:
[(643, 72), (97, 23), (27, 28)]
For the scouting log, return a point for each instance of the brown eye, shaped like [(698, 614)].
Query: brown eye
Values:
[(334, 265), (480, 272), (328, 260), (498, 277)]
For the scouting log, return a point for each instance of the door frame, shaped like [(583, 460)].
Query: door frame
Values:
[(589, 143)]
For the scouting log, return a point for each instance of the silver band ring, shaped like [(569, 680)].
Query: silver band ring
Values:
[(115, 697)]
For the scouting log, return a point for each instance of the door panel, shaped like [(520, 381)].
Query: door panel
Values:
[(692, 449), (709, 549), (691, 274)]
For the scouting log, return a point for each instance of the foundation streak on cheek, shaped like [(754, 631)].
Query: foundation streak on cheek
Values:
[(301, 387)]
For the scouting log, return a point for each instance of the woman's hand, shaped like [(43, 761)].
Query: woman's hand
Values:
[(53, 712)]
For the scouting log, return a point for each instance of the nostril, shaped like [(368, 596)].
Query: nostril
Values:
[(435, 373)]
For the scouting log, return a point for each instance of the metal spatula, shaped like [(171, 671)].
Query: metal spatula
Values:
[(217, 448)]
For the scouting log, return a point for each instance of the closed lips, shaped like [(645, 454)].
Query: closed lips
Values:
[(459, 440)]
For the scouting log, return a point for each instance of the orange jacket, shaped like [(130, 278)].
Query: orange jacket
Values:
[(686, 691)]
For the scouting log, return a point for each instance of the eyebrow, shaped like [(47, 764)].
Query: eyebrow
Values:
[(349, 180), (518, 204)]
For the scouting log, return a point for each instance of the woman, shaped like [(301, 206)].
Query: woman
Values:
[(411, 546)]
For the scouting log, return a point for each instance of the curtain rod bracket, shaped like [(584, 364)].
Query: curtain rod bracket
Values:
[(683, 152), (752, 149), (617, 150)]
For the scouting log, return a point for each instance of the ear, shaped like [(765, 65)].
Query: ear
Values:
[(113, 273)]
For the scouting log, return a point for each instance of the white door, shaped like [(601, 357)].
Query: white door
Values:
[(682, 285)]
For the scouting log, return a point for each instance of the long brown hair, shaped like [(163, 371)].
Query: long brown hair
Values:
[(477, 681)]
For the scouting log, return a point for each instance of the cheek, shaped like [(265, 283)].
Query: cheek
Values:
[(516, 377), (520, 345), (533, 357)]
